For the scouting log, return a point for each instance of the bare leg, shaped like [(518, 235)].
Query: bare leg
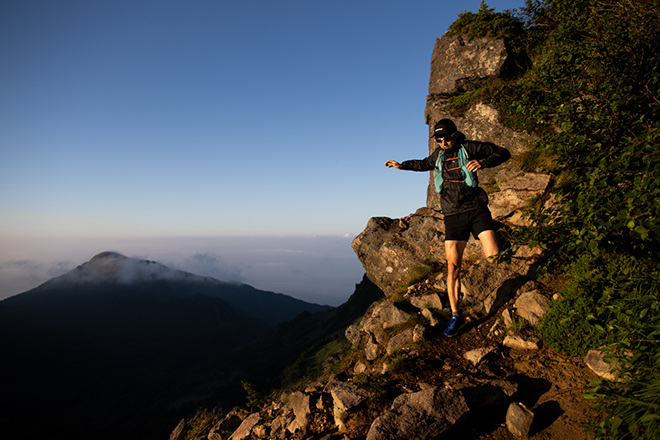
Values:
[(454, 252), (489, 243)]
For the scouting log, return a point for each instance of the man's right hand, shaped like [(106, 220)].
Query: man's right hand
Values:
[(393, 164)]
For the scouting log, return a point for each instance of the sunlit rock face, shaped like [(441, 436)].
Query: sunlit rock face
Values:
[(459, 65)]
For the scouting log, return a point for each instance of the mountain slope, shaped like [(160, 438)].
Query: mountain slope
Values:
[(117, 345), (110, 270)]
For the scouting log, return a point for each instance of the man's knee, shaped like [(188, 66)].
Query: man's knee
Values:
[(453, 268), (489, 243)]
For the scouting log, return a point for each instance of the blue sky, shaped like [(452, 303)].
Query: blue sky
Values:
[(149, 120)]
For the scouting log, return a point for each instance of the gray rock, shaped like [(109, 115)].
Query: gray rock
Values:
[(419, 333), (360, 367), (379, 317), (507, 320), (519, 419), (372, 329), (399, 341), (459, 65), (299, 404), (259, 431), (517, 180), (372, 349), (353, 333), (346, 397), (519, 342), (177, 434), (245, 428), (478, 354), (532, 306), (390, 315), (279, 425), (427, 301), (428, 314), (230, 423), (390, 250), (423, 415), (487, 286), (595, 360), (504, 203)]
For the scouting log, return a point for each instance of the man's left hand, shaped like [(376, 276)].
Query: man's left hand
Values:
[(473, 165)]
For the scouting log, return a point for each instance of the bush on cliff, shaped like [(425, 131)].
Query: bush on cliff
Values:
[(488, 23), (592, 96)]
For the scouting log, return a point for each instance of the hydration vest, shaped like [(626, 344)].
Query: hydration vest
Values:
[(469, 178)]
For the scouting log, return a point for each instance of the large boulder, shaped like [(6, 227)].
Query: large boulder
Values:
[(519, 419), (347, 398), (532, 306), (378, 318), (245, 429), (459, 65), (395, 251), (299, 404), (426, 414)]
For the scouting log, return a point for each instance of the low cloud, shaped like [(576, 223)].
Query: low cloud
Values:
[(323, 270), (211, 265), (21, 275)]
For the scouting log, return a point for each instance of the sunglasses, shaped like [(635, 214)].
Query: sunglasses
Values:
[(444, 138)]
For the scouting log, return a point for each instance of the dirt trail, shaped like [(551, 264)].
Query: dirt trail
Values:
[(549, 383)]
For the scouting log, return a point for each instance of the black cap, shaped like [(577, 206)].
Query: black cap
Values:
[(443, 128)]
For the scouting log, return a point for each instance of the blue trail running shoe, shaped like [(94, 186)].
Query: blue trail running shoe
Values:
[(453, 326)]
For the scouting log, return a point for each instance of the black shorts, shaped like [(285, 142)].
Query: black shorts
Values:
[(459, 226)]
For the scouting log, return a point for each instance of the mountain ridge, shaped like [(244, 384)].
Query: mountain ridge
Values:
[(114, 269), (116, 334)]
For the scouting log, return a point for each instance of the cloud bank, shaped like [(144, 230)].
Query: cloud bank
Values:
[(323, 270)]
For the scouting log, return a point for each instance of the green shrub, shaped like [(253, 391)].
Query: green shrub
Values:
[(253, 397), (614, 300), (488, 23), (592, 99)]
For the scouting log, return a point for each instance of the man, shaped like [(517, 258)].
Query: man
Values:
[(463, 202)]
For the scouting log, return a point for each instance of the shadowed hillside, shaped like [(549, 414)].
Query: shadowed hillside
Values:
[(117, 345)]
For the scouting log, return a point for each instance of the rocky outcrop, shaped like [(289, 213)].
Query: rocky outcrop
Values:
[(426, 414), (460, 65), (393, 250)]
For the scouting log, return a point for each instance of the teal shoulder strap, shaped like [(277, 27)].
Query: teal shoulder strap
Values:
[(469, 177), (437, 177)]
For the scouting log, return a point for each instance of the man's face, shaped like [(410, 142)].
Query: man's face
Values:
[(446, 142)]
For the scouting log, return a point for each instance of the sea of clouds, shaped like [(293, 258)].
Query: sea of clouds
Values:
[(322, 270)]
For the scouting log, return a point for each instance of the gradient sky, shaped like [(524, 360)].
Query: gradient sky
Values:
[(160, 119)]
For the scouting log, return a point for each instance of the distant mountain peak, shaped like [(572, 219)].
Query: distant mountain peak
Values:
[(113, 267), (111, 273), (108, 254)]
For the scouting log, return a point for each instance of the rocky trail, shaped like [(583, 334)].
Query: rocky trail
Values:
[(424, 386), (550, 384)]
